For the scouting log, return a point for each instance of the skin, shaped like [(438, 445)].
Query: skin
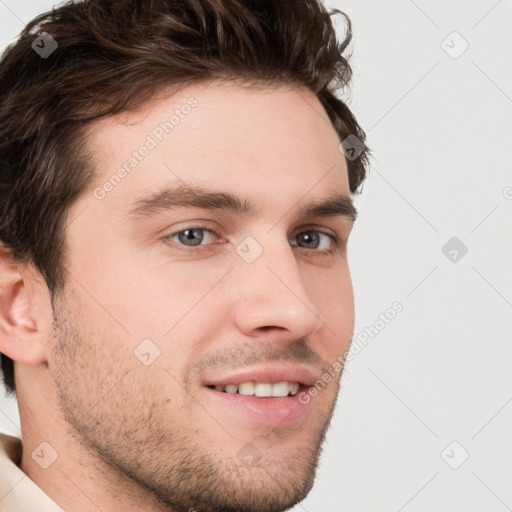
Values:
[(149, 438)]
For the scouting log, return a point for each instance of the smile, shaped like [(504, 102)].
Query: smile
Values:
[(268, 396), (261, 389)]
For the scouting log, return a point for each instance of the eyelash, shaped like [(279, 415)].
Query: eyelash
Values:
[(336, 244)]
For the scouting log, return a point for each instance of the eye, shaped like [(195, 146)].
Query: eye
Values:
[(317, 240), (200, 236), (192, 237)]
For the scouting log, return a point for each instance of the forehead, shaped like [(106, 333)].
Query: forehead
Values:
[(271, 142)]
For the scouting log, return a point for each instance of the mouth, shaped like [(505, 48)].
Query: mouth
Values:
[(271, 396), (260, 389)]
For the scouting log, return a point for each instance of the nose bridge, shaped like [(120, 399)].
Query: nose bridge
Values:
[(271, 290)]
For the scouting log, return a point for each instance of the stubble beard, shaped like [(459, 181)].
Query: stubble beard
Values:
[(162, 460)]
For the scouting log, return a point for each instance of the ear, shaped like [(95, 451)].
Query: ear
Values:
[(23, 312)]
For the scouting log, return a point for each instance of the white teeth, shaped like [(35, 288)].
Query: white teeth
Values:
[(261, 389), (294, 387), (231, 388), (280, 389), (246, 388)]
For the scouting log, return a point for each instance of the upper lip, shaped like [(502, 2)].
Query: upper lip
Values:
[(270, 373)]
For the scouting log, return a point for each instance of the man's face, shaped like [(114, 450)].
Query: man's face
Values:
[(174, 315)]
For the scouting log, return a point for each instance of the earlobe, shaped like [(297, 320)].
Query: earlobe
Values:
[(20, 336)]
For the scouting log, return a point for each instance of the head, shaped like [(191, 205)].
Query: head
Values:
[(174, 217)]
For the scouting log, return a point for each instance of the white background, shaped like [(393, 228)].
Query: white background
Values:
[(440, 129)]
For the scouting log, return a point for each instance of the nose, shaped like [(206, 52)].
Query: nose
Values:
[(271, 295)]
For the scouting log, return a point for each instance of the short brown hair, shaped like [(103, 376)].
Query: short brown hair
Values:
[(113, 56)]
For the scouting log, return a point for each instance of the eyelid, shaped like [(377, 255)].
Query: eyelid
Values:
[(336, 238), (336, 242), (193, 226)]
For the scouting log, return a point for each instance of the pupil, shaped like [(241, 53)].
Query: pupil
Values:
[(309, 238), (189, 236)]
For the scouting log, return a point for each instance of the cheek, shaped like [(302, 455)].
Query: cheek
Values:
[(173, 303), (331, 290), (332, 293), (148, 296)]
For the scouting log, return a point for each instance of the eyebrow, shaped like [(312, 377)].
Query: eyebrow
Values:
[(185, 196)]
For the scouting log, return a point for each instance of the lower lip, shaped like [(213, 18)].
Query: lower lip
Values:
[(270, 411)]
